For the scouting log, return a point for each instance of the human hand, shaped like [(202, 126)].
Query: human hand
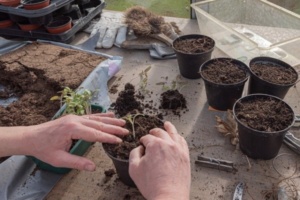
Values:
[(51, 141), (161, 170)]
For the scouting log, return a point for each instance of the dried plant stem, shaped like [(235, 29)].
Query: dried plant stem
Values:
[(249, 164), (291, 188)]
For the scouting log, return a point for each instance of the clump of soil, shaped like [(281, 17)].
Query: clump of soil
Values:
[(172, 99), (109, 172), (129, 108), (274, 73), (194, 45), (126, 101), (35, 73), (138, 124), (142, 125), (223, 72), (266, 114)]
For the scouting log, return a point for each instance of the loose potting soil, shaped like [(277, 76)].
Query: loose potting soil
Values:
[(35, 73), (267, 115), (198, 45), (126, 101), (223, 72), (274, 73), (128, 107), (142, 125), (172, 99)]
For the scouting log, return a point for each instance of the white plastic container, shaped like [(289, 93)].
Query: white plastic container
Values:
[(244, 29)]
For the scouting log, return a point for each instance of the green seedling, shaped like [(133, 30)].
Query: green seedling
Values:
[(76, 103), (144, 81), (176, 84), (130, 118)]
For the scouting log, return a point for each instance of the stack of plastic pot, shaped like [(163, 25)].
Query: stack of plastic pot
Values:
[(53, 20)]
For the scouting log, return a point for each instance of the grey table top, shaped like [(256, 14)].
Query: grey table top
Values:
[(197, 125)]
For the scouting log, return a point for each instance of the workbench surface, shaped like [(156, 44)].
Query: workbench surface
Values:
[(197, 125)]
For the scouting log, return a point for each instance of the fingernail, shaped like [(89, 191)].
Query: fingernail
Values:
[(125, 131), (119, 140), (89, 167)]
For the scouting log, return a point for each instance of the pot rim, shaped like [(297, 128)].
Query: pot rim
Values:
[(112, 157), (120, 159), (263, 96), (27, 2), (246, 70), (262, 59), (192, 37), (57, 19)]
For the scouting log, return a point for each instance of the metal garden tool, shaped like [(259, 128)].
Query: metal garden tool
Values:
[(290, 140), (238, 193), (214, 163)]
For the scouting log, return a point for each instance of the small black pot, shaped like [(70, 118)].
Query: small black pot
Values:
[(41, 20), (17, 18), (260, 144), (122, 168), (223, 96), (189, 63), (258, 85)]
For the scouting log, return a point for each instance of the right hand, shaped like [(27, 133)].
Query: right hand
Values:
[(161, 170)]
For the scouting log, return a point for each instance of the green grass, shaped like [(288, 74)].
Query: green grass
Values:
[(172, 8)]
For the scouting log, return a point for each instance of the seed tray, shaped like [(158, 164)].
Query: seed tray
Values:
[(80, 18), (20, 11)]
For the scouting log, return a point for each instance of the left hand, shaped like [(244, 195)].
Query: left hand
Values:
[(51, 141)]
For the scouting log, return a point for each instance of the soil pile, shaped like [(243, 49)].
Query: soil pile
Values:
[(35, 73), (126, 101), (172, 99), (138, 123)]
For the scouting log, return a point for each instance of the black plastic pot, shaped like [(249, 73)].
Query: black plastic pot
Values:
[(17, 18), (258, 85), (189, 63), (122, 168), (223, 96), (260, 144), (41, 20)]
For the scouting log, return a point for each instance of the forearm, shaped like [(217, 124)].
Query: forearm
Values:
[(12, 141)]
